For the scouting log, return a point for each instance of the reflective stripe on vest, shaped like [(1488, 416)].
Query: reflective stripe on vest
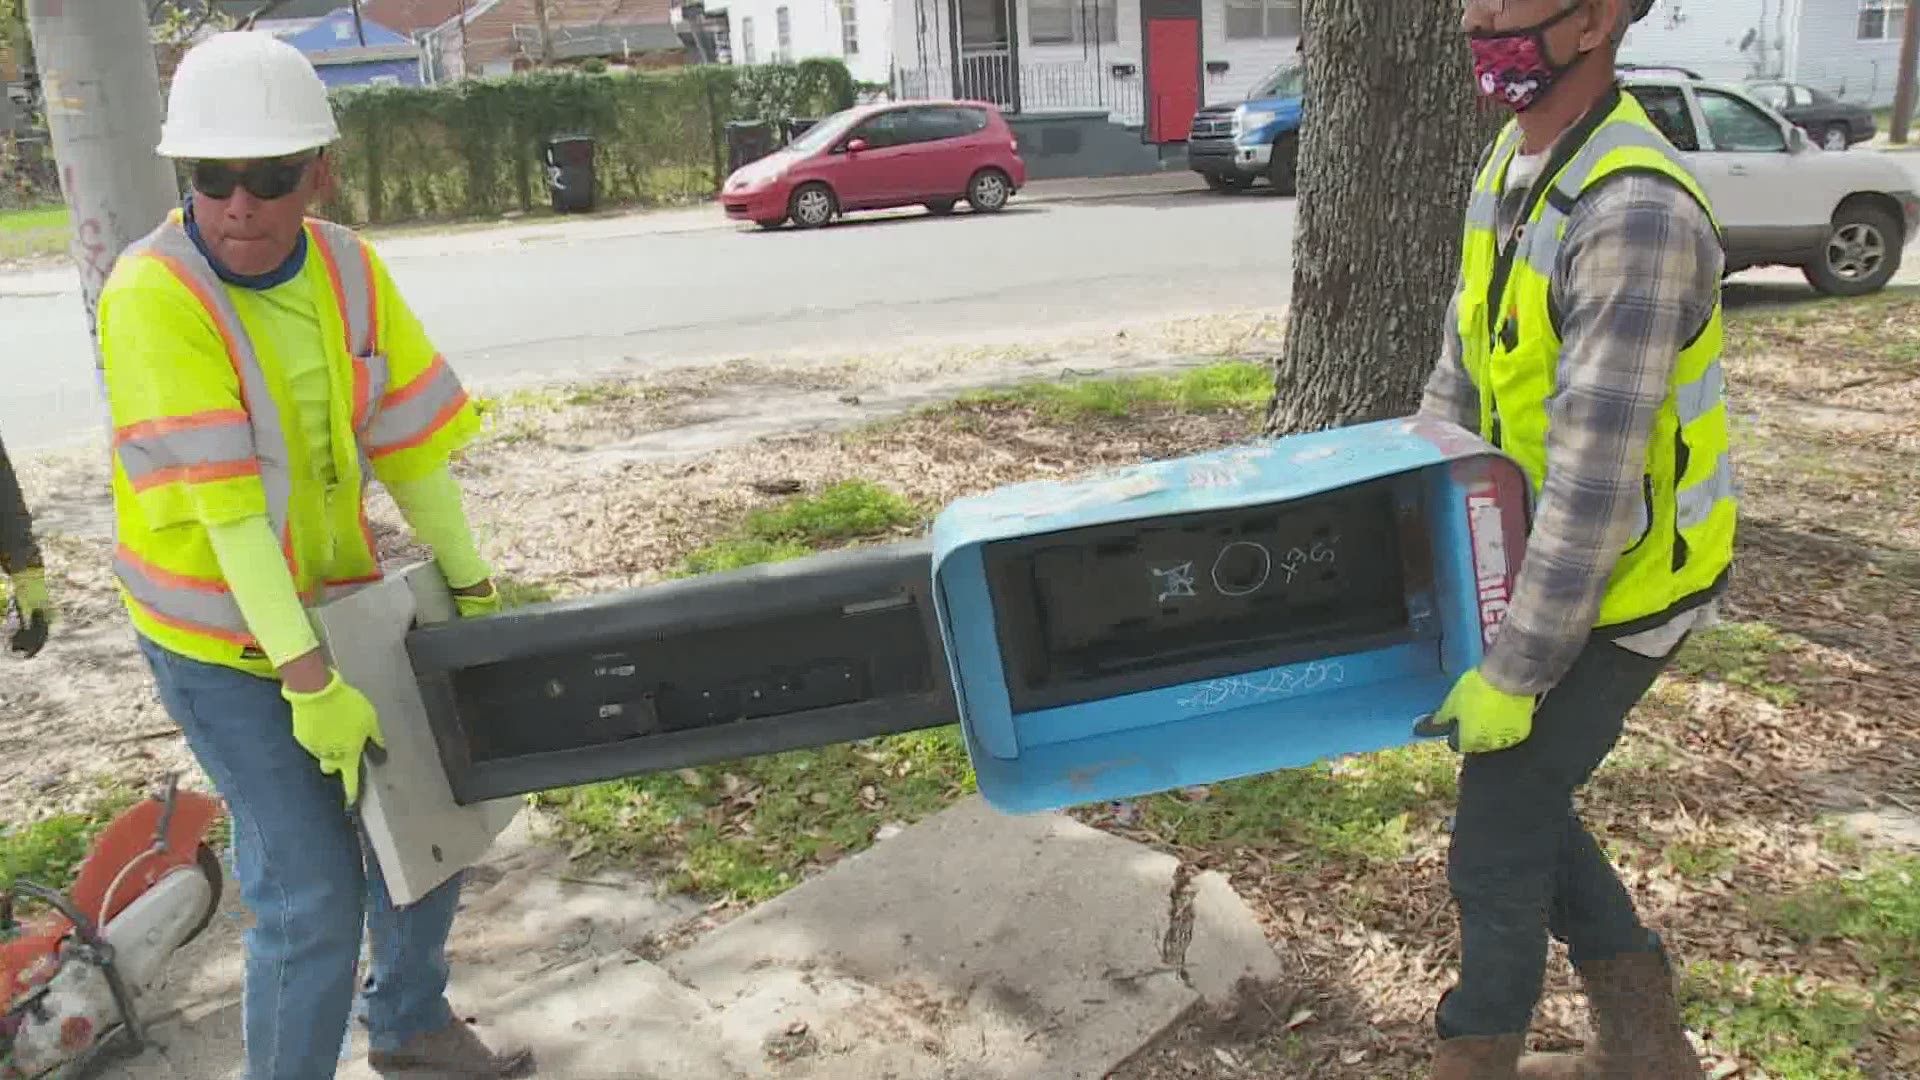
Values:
[(191, 604), (1541, 245), (350, 272)]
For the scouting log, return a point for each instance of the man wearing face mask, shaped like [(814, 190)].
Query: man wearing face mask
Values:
[(262, 369), (1583, 340)]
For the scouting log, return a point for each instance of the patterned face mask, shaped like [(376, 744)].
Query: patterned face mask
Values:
[(1513, 67)]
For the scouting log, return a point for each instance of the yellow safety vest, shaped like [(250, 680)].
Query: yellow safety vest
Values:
[(1682, 547), (206, 433)]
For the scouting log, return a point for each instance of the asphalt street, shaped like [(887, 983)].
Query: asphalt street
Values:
[(591, 296)]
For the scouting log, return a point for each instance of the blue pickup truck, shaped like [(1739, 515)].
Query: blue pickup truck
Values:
[(1234, 145)]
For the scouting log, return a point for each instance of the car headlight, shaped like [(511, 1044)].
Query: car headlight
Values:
[(1254, 119)]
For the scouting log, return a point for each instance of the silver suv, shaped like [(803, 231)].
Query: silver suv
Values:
[(1781, 200)]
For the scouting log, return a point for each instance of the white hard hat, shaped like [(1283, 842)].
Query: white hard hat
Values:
[(245, 94)]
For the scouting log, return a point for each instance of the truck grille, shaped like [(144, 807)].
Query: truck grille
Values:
[(1212, 127)]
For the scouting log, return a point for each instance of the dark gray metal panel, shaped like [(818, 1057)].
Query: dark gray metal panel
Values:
[(1059, 146), (821, 650)]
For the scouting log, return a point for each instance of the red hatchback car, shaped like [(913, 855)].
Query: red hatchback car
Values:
[(926, 153)]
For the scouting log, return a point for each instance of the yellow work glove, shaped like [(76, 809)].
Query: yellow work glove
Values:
[(1478, 718), (479, 604), (335, 725), (32, 613)]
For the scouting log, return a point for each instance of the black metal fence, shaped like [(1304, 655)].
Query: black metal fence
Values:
[(1028, 88)]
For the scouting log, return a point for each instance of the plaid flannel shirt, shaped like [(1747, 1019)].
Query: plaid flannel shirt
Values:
[(1636, 279)]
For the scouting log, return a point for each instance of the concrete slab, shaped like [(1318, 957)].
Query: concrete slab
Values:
[(976, 945)]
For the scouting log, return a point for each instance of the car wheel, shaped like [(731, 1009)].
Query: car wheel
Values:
[(1861, 254), (1836, 137), (1283, 169), (812, 206), (989, 191), (941, 207), (1227, 185)]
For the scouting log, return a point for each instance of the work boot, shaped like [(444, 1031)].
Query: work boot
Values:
[(452, 1053), (1481, 1058), (1638, 1033)]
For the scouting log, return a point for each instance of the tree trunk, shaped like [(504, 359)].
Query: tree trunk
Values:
[(1909, 85), (1393, 131)]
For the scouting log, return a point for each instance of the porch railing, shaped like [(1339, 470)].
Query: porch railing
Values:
[(1027, 88)]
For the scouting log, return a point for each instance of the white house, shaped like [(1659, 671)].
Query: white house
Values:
[(1850, 48), (1150, 63), (860, 32)]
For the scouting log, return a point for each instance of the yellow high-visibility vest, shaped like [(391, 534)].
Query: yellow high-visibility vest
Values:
[(1682, 547), (205, 431)]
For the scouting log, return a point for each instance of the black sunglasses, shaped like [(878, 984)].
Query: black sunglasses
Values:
[(267, 180)]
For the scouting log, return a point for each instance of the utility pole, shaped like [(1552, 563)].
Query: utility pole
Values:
[(102, 93), (546, 33), (1909, 61)]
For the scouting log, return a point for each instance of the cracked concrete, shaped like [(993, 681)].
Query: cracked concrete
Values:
[(973, 946)]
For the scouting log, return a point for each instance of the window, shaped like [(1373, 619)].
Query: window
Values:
[(931, 124), (1737, 127), (746, 39), (1073, 22), (849, 30), (894, 128), (783, 29), (1263, 18), (1667, 107), (1882, 20)]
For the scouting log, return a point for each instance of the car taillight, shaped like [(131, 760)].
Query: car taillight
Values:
[(1013, 145)]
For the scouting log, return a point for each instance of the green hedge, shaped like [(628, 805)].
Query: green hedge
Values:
[(473, 148)]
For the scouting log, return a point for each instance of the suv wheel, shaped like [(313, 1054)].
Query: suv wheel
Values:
[(989, 191), (1283, 169), (1836, 137), (1861, 253), (813, 206)]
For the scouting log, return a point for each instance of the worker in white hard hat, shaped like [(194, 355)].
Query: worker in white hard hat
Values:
[(262, 369)]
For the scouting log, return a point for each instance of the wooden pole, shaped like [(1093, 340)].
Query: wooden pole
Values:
[(1909, 77)]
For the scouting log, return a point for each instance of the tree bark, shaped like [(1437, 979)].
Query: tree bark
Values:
[(1392, 133), (1909, 86)]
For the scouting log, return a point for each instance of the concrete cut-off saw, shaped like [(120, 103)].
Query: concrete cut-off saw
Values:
[(73, 978)]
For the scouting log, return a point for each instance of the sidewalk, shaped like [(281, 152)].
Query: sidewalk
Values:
[(973, 946)]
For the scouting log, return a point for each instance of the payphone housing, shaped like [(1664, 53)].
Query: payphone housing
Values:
[(1230, 613)]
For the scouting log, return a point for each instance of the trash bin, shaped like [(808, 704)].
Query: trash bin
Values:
[(798, 125), (570, 172), (747, 141)]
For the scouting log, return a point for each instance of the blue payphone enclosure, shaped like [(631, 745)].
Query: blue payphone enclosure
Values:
[(1226, 614)]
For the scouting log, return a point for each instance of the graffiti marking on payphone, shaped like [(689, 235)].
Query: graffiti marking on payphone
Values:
[(1284, 683), (1320, 551), (1175, 581), (1247, 567)]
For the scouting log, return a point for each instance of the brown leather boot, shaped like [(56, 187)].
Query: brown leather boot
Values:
[(1638, 1033), (452, 1053), (1483, 1058)]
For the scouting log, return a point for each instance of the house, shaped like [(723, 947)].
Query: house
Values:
[(350, 51), (1143, 63), (500, 37), (857, 32), (1849, 48)]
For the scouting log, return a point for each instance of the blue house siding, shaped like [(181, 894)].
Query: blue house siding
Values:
[(348, 55), (405, 72)]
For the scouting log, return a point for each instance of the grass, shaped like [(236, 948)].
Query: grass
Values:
[(33, 233), (749, 830), (1739, 654), (1233, 385), (848, 510), (48, 851), (1355, 810), (1792, 1032), (1878, 911), (1700, 862)]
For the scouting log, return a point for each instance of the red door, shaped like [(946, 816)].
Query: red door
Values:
[(1173, 78)]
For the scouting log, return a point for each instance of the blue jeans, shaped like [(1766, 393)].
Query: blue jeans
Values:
[(310, 881), (1521, 863)]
